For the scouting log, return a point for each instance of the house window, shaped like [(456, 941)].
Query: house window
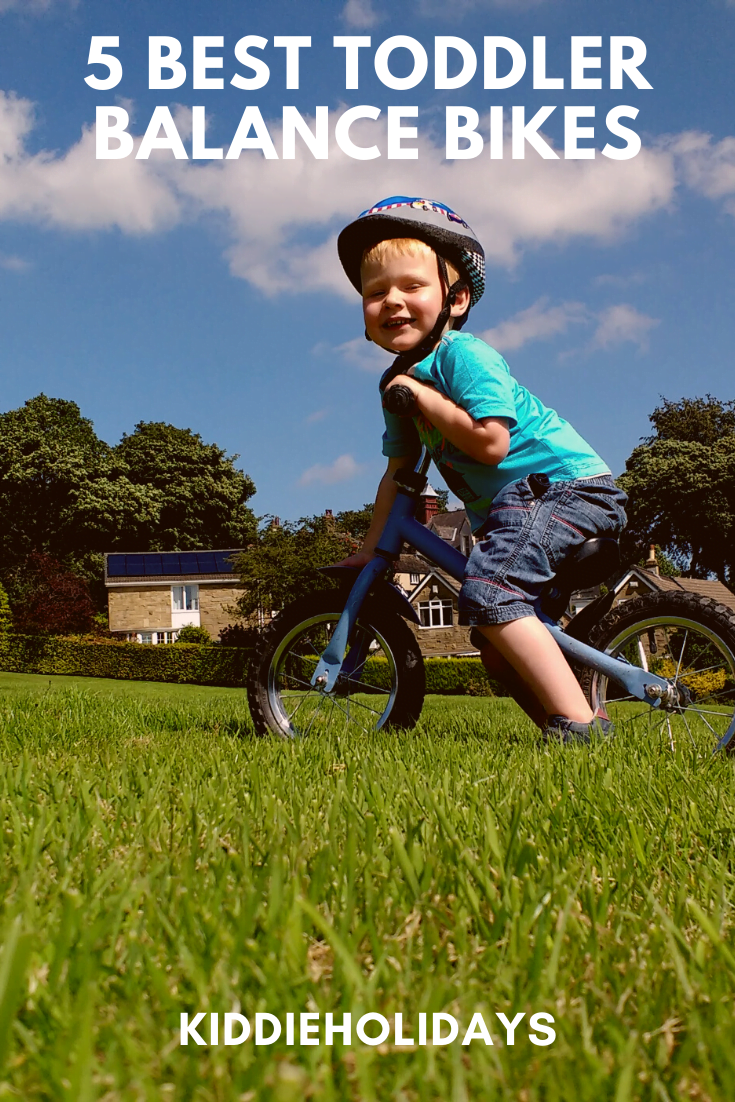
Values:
[(436, 614), (185, 598), (146, 636), (415, 579)]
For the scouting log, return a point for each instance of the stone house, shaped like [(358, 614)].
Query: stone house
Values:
[(639, 580), (152, 595), (433, 594)]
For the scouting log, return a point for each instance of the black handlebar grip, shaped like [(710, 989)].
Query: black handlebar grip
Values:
[(400, 401)]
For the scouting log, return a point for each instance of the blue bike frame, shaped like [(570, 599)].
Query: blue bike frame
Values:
[(402, 527)]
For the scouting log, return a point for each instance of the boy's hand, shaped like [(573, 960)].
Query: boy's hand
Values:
[(359, 559)]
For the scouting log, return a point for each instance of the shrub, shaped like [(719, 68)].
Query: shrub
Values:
[(184, 664), (203, 665), (6, 619), (192, 633), (50, 599)]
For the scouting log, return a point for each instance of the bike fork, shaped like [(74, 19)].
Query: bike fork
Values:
[(329, 665)]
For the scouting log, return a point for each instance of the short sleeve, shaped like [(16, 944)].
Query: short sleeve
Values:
[(400, 436), (474, 376)]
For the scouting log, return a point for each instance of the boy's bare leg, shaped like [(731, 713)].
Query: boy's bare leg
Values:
[(533, 653), (498, 667)]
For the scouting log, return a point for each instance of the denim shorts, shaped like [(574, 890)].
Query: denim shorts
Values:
[(526, 538)]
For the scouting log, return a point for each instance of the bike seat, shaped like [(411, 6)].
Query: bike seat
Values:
[(591, 563)]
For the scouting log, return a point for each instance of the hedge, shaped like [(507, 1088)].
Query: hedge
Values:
[(192, 663), (185, 663)]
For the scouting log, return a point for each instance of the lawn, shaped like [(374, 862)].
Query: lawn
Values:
[(157, 858)]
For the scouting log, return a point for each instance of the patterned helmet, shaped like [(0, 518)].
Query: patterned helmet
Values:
[(406, 216)]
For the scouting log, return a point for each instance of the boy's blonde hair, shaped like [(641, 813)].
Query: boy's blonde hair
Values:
[(404, 246)]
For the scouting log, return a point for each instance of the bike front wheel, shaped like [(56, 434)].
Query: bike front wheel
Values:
[(688, 639), (384, 688)]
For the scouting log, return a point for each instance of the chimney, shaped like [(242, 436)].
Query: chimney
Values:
[(327, 512), (428, 506), (276, 522), (651, 564)]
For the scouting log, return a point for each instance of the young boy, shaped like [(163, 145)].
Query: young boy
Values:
[(419, 268)]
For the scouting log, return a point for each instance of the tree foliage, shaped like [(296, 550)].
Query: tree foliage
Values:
[(63, 491), (283, 562), (681, 486), (193, 633), (201, 497), (67, 494), (6, 618), (49, 599), (356, 521)]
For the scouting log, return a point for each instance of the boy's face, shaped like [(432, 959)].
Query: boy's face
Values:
[(402, 297)]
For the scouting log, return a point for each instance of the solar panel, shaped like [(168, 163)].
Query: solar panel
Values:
[(171, 563), (116, 565), (224, 562)]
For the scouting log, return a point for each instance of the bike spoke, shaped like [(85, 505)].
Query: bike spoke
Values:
[(369, 688), (691, 736), (360, 704), (683, 645), (346, 711)]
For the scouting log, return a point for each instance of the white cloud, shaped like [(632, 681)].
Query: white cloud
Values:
[(317, 415), (73, 189), (707, 166), (12, 263), (623, 323), (343, 468), (364, 354), (282, 216), (537, 322), (360, 15), (34, 7)]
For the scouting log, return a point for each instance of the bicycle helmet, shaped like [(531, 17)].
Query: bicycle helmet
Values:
[(403, 216), (439, 227)]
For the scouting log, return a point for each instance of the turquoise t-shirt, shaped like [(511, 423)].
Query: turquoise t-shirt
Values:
[(478, 379)]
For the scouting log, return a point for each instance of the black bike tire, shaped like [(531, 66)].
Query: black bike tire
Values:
[(409, 664), (705, 611)]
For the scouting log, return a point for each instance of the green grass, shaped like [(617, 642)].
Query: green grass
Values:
[(156, 858)]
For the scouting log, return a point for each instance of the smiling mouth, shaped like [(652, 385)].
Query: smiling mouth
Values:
[(397, 323)]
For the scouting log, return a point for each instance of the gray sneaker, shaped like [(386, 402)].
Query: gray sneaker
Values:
[(561, 729)]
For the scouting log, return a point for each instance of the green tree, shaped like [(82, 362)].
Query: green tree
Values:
[(442, 501), (283, 563), (200, 494), (68, 494), (681, 485), (356, 521), (6, 619), (193, 633), (63, 492)]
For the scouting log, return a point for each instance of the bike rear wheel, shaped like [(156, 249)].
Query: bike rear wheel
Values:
[(384, 690), (686, 638)]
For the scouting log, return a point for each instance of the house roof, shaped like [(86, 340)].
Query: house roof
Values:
[(159, 566), (411, 564), (450, 583), (705, 587), (448, 520)]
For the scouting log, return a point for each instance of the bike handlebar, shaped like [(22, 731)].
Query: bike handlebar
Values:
[(400, 401)]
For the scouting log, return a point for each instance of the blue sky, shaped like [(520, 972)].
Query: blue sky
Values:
[(208, 293)]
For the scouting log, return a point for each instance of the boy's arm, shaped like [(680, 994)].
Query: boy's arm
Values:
[(486, 440), (384, 499)]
